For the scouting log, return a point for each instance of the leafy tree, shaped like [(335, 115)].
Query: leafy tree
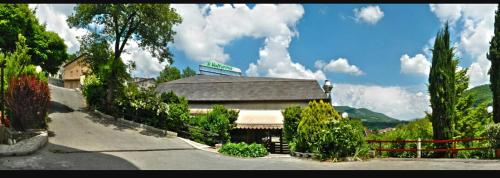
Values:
[(291, 122), (169, 73), (494, 57), (442, 87), (469, 120), (150, 25), (188, 72), (315, 118), (46, 48)]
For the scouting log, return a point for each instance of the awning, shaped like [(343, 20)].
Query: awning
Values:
[(259, 119)]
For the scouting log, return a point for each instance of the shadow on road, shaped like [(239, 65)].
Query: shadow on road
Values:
[(50, 158), (57, 107), (97, 118)]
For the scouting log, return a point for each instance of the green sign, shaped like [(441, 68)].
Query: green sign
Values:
[(217, 65)]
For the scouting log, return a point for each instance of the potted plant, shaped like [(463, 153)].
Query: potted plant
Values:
[(493, 134)]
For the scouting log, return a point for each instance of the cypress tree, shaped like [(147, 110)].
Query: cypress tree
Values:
[(494, 57), (442, 88)]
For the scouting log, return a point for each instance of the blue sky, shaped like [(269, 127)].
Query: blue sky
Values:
[(377, 55)]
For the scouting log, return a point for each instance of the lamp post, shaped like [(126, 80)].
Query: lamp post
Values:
[(2, 67), (327, 87), (345, 115)]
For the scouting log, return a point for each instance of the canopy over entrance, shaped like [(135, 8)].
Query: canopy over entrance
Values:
[(259, 119)]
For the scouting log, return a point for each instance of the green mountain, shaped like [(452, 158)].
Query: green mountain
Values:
[(371, 119), (481, 94)]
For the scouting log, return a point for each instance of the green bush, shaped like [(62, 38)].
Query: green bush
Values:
[(143, 106), (213, 127), (493, 134), (313, 124), (243, 150), (291, 122), (342, 138), (94, 92)]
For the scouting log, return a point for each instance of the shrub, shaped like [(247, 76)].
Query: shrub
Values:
[(313, 123), (144, 106), (213, 127), (179, 114), (94, 92), (493, 134), (243, 150), (28, 99), (291, 122), (341, 138)]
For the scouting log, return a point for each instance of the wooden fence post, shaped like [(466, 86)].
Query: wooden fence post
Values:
[(379, 149), (419, 148)]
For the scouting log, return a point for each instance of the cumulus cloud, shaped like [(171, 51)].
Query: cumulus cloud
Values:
[(369, 14), (396, 102), (54, 16), (206, 29), (146, 65), (418, 64), (340, 65), (475, 34)]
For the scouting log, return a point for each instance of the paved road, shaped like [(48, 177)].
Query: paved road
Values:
[(83, 141)]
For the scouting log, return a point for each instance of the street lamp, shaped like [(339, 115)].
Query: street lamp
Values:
[(38, 69), (327, 87), (489, 109), (345, 115)]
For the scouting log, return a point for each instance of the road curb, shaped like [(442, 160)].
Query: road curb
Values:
[(25, 147), (148, 128)]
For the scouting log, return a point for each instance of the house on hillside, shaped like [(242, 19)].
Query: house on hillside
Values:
[(74, 72), (259, 100)]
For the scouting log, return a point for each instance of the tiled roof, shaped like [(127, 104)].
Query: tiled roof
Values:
[(238, 88)]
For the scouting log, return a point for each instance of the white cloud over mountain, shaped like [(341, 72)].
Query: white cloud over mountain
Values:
[(369, 14), (396, 102)]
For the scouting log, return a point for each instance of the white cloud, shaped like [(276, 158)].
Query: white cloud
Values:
[(447, 12), (55, 15), (392, 101), (146, 65), (369, 14), (477, 30), (340, 65), (415, 65), (207, 29)]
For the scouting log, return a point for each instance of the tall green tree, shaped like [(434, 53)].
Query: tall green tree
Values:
[(494, 57), (46, 48), (188, 72), (150, 25), (469, 120), (442, 87), (169, 73)]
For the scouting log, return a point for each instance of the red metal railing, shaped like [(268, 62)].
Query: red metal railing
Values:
[(452, 150)]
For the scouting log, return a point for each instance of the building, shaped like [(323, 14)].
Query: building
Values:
[(144, 83), (74, 72), (259, 100), (215, 68)]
